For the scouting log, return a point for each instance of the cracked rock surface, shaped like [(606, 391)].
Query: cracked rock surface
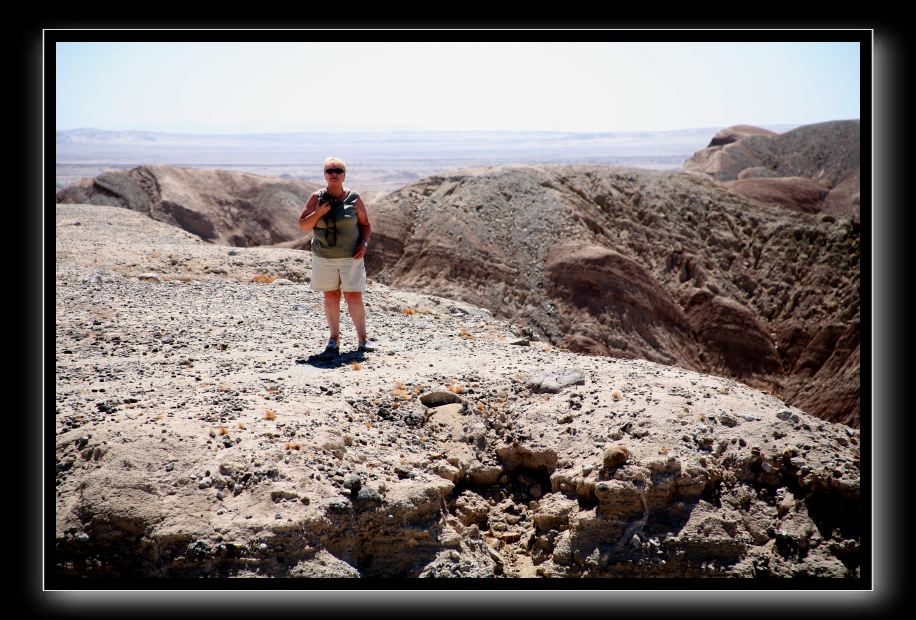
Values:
[(198, 434)]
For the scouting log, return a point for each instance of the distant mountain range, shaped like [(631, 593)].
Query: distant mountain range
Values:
[(103, 136), (381, 161)]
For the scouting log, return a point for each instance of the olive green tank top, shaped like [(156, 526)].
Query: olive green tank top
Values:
[(337, 233)]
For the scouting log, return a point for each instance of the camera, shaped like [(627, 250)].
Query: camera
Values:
[(327, 198)]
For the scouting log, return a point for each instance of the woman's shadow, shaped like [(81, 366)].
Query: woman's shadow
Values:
[(332, 360)]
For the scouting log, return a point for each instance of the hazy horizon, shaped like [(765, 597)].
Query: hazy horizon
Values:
[(379, 161), (382, 130)]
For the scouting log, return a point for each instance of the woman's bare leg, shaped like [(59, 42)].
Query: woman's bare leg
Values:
[(357, 313), (332, 312)]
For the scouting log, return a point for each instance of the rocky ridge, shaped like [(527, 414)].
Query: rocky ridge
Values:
[(813, 168), (669, 267), (227, 208), (196, 436)]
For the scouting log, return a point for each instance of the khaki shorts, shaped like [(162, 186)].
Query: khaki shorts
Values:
[(331, 274)]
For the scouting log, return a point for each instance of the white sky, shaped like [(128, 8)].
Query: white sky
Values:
[(547, 86)]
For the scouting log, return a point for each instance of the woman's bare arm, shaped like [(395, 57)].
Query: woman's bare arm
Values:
[(312, 213)]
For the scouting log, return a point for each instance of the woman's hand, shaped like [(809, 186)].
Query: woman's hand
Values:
[(312, 213), (360, 251), (322, 209)]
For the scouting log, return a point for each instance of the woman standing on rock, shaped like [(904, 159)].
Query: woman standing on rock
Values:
[(340, 224)]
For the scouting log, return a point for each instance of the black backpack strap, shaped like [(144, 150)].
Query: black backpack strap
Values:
[(330, 218)]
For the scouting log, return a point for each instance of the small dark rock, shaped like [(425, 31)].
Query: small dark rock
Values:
[(403, 472), (614, 457), (109, 406), (352, 482), (368, 495), (199, 549), (339, 505)]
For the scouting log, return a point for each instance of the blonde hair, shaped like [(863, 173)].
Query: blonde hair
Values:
[(334, 160)]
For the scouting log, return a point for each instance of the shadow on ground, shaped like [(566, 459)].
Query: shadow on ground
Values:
[(330, 360)]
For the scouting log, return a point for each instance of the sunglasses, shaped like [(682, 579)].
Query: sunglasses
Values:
[(334, 171)]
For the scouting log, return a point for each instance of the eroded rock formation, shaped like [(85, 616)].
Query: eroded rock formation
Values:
[(668, 267), (228, 208), (813, 168)]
